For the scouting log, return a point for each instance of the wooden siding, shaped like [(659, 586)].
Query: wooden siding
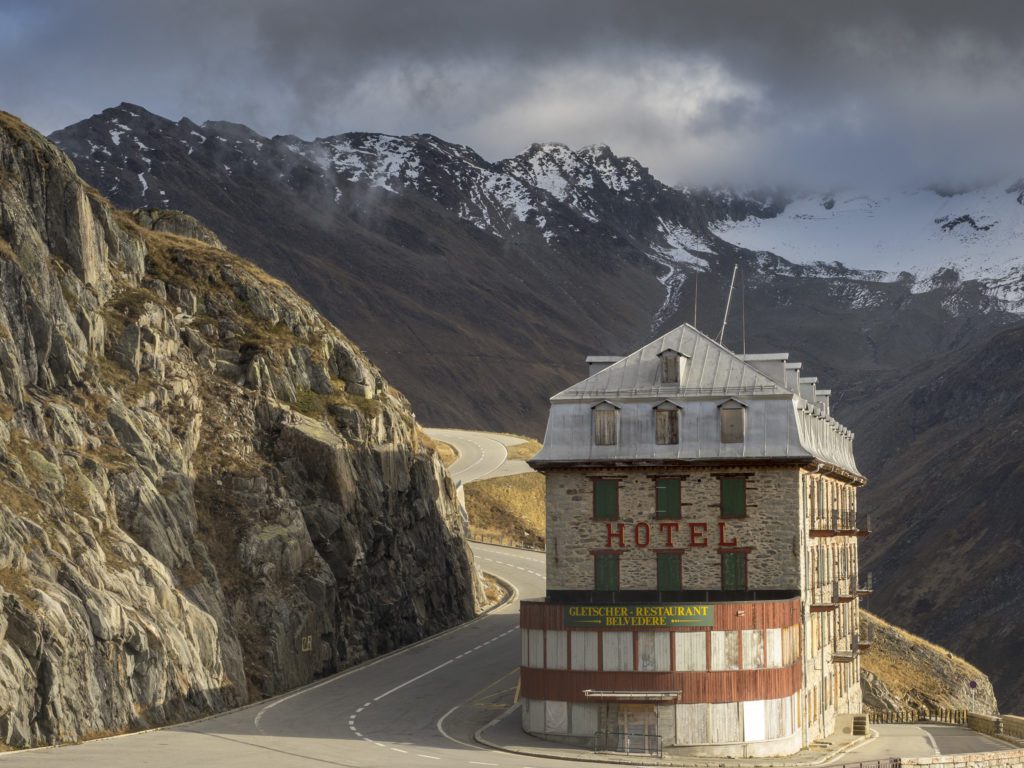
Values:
[(694, 687), (761, 614)]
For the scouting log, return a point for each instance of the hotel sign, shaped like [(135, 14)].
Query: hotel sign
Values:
[(660, 616)]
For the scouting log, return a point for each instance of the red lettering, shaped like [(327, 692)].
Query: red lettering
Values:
[(698, 534), (721, 537), (646, 530), (616, 535), (667, 529)]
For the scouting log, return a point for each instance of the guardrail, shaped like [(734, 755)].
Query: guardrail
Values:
[(628, 743), (504, 541), (889, 762), (908, 716)]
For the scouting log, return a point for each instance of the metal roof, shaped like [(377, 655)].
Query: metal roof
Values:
[(781, 422)]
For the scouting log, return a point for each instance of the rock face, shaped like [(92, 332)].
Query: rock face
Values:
[(902, 671), (207, 493)]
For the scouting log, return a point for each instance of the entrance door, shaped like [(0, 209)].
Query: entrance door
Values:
[(638, 729)]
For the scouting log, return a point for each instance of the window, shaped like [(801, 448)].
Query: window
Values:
[(733, 416), (606, 572), (666, 424), (734, 570), (617, 655), (606, 499), (670, 572), (733, 496), (670, 364), (605, 423), (667, 498)]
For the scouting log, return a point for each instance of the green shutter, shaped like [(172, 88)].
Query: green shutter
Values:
[(606, 499), (670, 572), (606, 572), (668, 491), (734, 496), (734, 570)]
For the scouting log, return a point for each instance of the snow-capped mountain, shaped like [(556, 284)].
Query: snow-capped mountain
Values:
[(584, 240), (923, 235)]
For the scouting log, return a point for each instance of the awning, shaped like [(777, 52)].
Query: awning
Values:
[(632, 695)]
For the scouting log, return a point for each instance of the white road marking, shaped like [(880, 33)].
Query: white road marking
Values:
[(477, 762), (931, 740), (429, 757), (396, 749), (413, 680)]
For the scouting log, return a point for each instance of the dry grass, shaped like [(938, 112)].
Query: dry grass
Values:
[(447, 453), (526, 450), (511, 508), (913, 669), (17, 583)]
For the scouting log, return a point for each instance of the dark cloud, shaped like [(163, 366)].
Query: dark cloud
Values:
[(710, 92)]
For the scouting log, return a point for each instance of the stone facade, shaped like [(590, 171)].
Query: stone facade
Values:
[(771, 529)]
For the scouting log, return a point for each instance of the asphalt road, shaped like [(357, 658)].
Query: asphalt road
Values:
[(415, 707), (481, 454)]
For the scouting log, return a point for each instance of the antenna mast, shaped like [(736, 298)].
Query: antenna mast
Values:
[(728, 301), (694, 299)]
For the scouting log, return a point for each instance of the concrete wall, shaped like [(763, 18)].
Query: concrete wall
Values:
[(771, 528)]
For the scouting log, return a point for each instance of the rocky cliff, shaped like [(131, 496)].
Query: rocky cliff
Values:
[(207, 493), (902, 671)]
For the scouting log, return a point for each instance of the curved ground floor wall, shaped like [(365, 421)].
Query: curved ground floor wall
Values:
[(730, 688), (760, 728)]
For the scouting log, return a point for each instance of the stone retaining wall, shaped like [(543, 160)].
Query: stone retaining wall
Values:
[(1008, 759)]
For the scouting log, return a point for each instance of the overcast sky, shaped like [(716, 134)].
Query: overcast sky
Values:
[(772, 91)]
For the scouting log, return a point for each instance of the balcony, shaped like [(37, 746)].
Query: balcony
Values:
[(836, 523), (865, 529), (866, 589), (824, 599)]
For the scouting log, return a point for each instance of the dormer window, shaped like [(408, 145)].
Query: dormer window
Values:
[(670, 369), (666, 423), (733, 417), (606, 422)]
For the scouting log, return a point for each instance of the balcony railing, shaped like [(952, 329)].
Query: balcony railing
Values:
[(866, 589), (835, 523), (842, 654), (825, 598)]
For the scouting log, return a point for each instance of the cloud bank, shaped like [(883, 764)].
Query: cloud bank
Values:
[(738, 93)]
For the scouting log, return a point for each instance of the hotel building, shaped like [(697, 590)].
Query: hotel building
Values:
[(702, 530)]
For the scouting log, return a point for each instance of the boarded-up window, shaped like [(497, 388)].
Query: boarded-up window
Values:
[(670, 572), (583, 719), (666, 424), (725, 650), (556, 717), (584, 651), (557, 649), (773, 641), (733, 416), (606, 499), (734, 570), (669, 367), (605, 422), (754, 725), (617, 653), (753, 649), (733, 496), (691, 724), (691, 651), (606, 572), (533, 648), (668, 491), (533, 715), (652, 650), (725, 723)]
